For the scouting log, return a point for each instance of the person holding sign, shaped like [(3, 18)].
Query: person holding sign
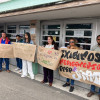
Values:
[(95, 48), (48, 73), (72, 45), (4, 40), (27, 65), (18, 60)]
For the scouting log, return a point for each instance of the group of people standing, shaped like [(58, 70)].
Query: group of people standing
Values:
[(25, 67)]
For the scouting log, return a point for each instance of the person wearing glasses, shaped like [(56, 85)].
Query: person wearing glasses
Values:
[(95, 48), (72, 45)]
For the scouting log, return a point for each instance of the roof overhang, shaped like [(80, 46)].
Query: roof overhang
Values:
[(86, 8)]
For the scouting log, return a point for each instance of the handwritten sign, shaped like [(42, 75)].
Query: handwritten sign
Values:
[(48, 58), (80, 65), (6, 51), (24, 51)]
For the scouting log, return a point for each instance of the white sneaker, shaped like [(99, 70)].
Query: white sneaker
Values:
[(23, 76), (32, 77), (20, 71), (17, 69)]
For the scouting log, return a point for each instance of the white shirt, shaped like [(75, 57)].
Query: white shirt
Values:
[(49, 46)]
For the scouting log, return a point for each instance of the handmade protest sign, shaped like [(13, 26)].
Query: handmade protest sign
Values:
[(48, 58), (24, 51), (80, 65), (6, 51)]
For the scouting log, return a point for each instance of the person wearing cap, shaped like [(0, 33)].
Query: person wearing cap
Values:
[(4, 40), (18, 60)]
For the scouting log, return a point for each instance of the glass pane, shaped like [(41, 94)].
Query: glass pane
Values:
[(11, 31), (80, 40), (87, 33), (70, 33), (8, 35), (24, 27), (51, 32), (86, 47), (51, 26), (11, 27), (79, 26)]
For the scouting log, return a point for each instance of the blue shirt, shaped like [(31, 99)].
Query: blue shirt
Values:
[(3, 42)]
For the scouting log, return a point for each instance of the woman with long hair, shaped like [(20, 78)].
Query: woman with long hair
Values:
[(27, 65), (48, 73), (72, 45)]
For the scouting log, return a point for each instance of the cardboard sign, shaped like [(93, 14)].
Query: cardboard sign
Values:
[(6, 51), (48, 58), (24, 51), (80, 65)]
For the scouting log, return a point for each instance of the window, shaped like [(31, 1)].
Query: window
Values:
[(81, 32), (11, 32), (23, 29), (50, 30), (11, 29)]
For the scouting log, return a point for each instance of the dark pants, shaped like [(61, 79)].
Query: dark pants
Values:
[(93, 89), (72, 81), (6, 61), (48, 75), (19, 63)]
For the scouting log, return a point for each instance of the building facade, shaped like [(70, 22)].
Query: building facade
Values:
[(61, 19)]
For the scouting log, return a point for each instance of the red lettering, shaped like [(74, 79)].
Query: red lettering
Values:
[(65, 62), (84, 65), (61, 61), (98, 67), (93, 66), (88, 65)]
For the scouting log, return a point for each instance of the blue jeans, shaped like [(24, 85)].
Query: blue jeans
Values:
[(93, 88), (19, 63), (72, 81), (6, 61)]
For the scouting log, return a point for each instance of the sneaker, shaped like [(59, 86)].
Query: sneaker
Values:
[(17, 69), (32, 77), (66, 84), (20, 71), (71, 89), (23, 76)]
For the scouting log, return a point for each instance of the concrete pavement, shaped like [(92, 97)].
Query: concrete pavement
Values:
[(13, 87)]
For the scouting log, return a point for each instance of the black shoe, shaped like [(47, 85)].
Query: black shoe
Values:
[(66, 84), (44, 81), (71, 89)]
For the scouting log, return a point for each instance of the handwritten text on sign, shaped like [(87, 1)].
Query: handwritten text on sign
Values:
[(6, 51), (48, 58), (24, 51), (80, 65)]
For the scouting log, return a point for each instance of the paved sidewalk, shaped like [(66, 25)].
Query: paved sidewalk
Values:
[(13, 87), (80, 92)]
